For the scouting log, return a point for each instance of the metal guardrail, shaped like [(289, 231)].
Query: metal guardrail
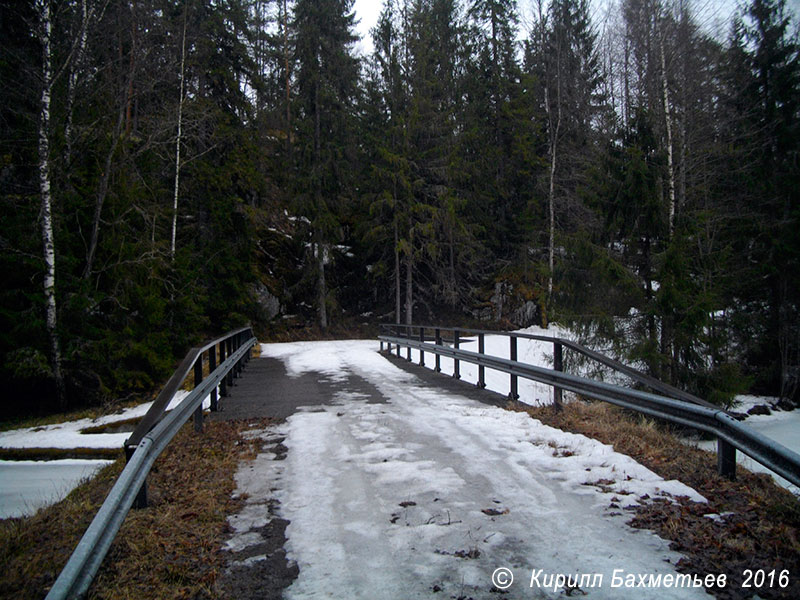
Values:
[(146, 443), (731, 435), (558, 345)]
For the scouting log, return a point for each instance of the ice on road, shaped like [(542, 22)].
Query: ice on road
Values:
[(433, 492)]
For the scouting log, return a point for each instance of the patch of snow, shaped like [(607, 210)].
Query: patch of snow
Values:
[(26, 486), (718, 518), (35, 484), (432, 490), (745, 402), (70, 434), (781, 426), (533, 352)]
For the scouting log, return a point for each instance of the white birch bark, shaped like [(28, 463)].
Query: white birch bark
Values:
[(668, 124), (178, 146), (48, 239), (554, 127)]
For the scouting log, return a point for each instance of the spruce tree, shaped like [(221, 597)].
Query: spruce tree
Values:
[(327, 80)]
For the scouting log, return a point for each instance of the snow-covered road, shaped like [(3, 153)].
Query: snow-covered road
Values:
[(433, 492)]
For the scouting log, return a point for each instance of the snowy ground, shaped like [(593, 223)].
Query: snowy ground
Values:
[(27, 486), (781, 426), (431, 492), (531, 352)]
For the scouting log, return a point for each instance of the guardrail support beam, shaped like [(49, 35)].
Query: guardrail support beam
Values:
[(212, 364), (422, 341), (198, 379), (223, 384), (726, 459), (481, 369), (230, 350), (513, 393), (456, 363), (397, 329), (558, 365), (438, 342)]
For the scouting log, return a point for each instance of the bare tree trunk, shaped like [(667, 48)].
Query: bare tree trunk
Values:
[(288, 81), (681, 199), (322, 289), (668, 124), (321, 248), (452, 283), (123, 124), (397, 267), (553, 129), (72, 84), (410, 284), (102, 192), (48, 239), (552, 219), (627, 84), (178, 145)]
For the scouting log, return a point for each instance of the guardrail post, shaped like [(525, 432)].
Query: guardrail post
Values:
[(141, 497), (421, 341), (397, 330), (230, 349), (513, 392), (558, 365), (246, 356), (223, 384), (456, 362), (726, 459), (438, 341), (212, 364), (481, 369), (242, 361), (198, 379), (235, 343)]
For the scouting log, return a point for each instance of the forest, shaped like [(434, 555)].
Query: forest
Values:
[(171, 169)]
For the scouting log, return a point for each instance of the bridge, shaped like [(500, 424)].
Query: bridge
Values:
[(394, 477)]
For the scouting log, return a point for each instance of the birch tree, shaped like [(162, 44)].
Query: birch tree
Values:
[(178, 140), (48, 238)]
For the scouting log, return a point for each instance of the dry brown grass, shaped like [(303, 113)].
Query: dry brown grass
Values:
[(59, 453), (763, 532), (171, 549)]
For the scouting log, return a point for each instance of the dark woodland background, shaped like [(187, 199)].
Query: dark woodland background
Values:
[(172, 169)]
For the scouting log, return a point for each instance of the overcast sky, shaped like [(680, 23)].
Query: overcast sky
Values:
[(713, 14)]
